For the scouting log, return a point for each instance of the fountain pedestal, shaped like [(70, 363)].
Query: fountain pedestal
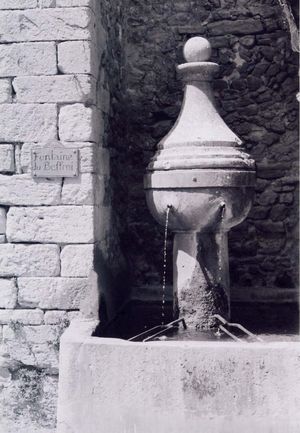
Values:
[(203, 175), (200, 277)]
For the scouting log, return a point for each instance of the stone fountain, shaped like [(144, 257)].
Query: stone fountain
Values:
[(202, 173), (203, 179)]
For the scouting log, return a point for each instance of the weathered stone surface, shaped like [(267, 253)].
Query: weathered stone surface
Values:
[(73, 315), (2, 220), (2, 239), (7, 160), (215, 372), (33, 345), (27, 122), (8, 293), (87, 189), (21, 189), (286, 198), (67, 3), (59, 224), (26, 317), (30, 260), (52, 293), (47, 25), (47, 3), (55, 317), (267, 197), (238, 27), (90, 157), (73, 3), (38, 403), (79, 123), (5, 91), (18, 4), (77, 260), (59, 88), (78, 57), (79, 190), (27, 59), (278, 212)]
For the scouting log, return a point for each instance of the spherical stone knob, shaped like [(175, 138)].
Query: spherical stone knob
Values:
[(197, 49)]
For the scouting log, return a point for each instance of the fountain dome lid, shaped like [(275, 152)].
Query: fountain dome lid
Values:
[(199, 123), (200, 138)]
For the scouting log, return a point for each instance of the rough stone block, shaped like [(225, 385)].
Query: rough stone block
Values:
[(88, 158), (8, 293), (58, 224), (87, 189), (26, 317), (5, 91), (80, 123), (73, 3), (55, 317), (238, 27), (73, 315), (78, 57), (56, 89), (52, 293), (92, 158), (33, 345), (47, 25), (30, 260), (2, 220), (47, 3), (67, 3), (2, 239), (27, 122), (27, 59), (21, 189), (7, 160), (18, 4), (77, 260)]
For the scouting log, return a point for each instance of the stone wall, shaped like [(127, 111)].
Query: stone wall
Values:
[(53, 90), (256, 95)]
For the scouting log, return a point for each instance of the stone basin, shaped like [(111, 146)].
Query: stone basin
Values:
[(109, 385)]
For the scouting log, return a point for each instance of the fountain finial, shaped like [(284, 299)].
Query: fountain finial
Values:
[(197, 49)]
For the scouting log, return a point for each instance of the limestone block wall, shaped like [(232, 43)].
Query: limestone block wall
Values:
[(53, 89)]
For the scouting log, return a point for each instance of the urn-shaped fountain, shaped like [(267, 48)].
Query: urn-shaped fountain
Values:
[(204, 179)]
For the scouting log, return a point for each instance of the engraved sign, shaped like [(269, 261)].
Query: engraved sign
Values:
[(54, 162)]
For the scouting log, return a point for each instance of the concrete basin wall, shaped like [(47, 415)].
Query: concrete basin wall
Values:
[(115, 386)]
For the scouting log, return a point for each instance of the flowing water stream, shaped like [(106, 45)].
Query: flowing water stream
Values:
[(163, 300)]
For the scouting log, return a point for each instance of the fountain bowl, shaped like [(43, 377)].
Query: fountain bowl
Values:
[(200, 209)]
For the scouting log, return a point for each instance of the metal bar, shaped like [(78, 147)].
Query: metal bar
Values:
[(237, 325), (242, 328), (162, 328), (230, 334), (163, 331), (145, 332), (166, 328)]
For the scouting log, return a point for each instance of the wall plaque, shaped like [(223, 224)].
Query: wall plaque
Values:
[(54, 162)]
